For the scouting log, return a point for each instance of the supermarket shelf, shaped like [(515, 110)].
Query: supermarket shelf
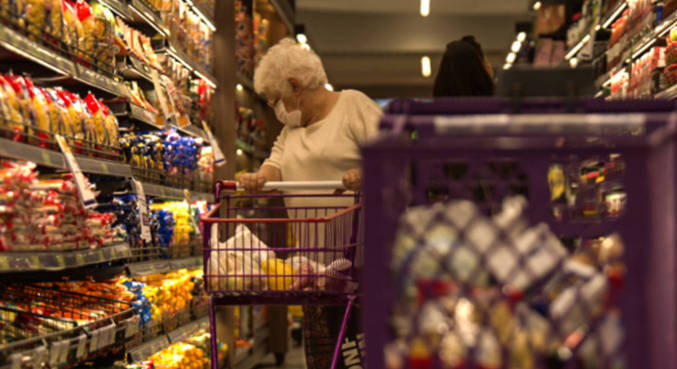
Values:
[(286, 13), (55, 159), (140, 12), (22, 45), (167, 46), (578, 47), (132, 68), (670, 93), (40, 156), (151, 189), (204, 15), (134, 112), (104, 167), (193, 130), (163, 341), (11, 262), (119, 7), (612, 15), (163, 266), (650, 39)]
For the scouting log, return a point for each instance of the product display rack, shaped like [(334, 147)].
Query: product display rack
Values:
[(642, 27), (51, 65)]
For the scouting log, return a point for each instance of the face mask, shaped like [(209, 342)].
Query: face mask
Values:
[(292, 119)]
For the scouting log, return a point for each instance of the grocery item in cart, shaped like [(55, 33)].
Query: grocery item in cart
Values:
[(497, 293), (241, 255)]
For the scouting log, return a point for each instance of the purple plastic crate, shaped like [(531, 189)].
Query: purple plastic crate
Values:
[(477, 150)]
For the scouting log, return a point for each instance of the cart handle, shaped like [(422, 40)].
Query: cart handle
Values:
[(283, 186)]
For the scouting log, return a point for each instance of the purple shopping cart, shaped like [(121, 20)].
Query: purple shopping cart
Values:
[(298, 244), (530, 234)]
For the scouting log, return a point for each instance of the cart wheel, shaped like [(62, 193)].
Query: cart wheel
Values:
[(279, 359)]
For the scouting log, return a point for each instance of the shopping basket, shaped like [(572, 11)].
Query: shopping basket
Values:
[(298, 247), (453, 191)]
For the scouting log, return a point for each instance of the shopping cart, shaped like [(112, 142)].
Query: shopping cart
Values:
[(451, 284), (298, 247)]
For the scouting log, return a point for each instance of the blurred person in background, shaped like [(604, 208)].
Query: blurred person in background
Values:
[(320, 141), (464, 71)]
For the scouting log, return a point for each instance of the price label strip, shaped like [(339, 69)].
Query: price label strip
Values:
[(219, 158), (58, 354), (40, 355), (82, 349), (16, 360), (144, 217), (86, 194)]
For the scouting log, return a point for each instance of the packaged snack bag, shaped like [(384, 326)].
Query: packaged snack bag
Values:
[(14, 115), (89, 34), (36, 14), (98, 119), (73, 31), (111, 123)]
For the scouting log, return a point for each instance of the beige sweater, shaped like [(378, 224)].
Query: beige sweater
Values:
[(325, 150)]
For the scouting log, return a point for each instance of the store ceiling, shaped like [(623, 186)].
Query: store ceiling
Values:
[(376, 45)]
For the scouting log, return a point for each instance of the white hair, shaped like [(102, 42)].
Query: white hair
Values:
[(288, 60)]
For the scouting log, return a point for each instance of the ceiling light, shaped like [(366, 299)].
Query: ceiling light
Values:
[(522, 36), (537, 6), (507, 66), (425, 8), (239, 87), (329, 87), (239, 152), (516, 47), (302, 38), (305, 47), (425, 67), (511, 58)]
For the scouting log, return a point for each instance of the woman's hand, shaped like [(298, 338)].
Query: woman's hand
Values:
[(253, 182), (352, 180)]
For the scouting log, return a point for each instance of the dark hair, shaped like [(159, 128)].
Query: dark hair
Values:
[(462, 71)]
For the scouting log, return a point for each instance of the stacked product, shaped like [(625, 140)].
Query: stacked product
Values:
[(671, 58), (163, 296), (261, 42), (193, 36), (244, 43), (193, 352), (33, 114), (47, 214), (131, 41), (164, 151), (250, 130), (646, 74)]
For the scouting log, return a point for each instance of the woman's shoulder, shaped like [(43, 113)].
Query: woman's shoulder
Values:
[(355, 95)]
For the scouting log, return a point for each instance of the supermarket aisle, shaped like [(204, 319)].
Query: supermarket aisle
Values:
[(295, 360)]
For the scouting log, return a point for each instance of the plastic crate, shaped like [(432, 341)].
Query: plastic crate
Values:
[(479, 150)]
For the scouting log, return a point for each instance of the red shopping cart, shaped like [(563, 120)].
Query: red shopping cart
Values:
[(300, 243)]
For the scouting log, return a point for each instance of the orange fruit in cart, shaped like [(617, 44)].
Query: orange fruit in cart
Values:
[(280, 274)]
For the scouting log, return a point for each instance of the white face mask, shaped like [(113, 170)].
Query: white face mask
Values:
[(292, 119)]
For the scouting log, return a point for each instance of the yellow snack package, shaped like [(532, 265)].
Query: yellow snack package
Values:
[(36, 15), (98, 119)]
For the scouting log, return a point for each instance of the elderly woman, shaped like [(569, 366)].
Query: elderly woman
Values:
[(320, 141)]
